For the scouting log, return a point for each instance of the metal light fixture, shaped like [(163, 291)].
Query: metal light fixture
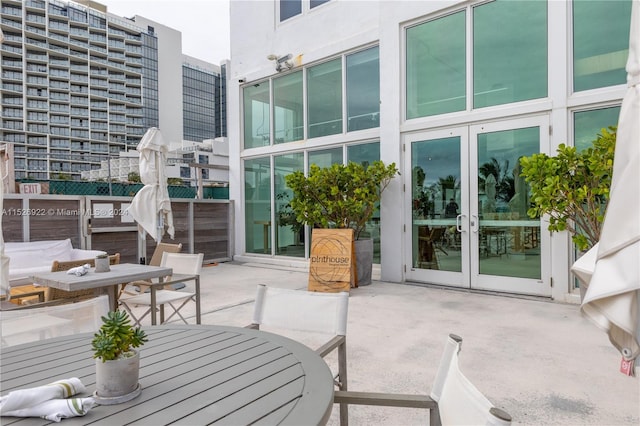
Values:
[(283, 62)]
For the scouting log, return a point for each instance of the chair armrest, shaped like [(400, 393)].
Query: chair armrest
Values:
[(331, 345), (384, 399)]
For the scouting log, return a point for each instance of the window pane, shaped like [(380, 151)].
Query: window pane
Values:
[(256, 115), (314, 3), (257, 205), (324, 87), (366, 154), (289, 108), (600, 43), (289, 8), (587, 125), (505, 227), (436, 67), (509, 52), (289, 232), (326, 157), (363, 90)]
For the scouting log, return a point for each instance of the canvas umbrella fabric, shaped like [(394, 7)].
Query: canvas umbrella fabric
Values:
[(612, 297), (4, 259), (151, 206)]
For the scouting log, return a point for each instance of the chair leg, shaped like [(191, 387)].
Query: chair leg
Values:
[(342, 373), (176, 311), (434, 417), (137, 322)]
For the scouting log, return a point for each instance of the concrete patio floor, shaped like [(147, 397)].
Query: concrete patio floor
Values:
[(540, 361)]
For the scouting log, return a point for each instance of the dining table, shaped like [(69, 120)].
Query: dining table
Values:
[(189, 375), (110, 281)]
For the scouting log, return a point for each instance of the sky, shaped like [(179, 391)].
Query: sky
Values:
[(204, 24)]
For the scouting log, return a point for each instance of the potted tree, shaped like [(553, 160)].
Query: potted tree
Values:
[(572, 188), (342, 196), (117, 361)]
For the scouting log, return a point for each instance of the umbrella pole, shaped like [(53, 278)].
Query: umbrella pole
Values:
[(142, 245)]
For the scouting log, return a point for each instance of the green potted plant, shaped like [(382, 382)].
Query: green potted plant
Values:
[(342, 196), (117, 361), (573, 187)]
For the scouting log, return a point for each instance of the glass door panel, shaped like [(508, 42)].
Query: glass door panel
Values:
[(438, 198), (506, 242), (467, 222)]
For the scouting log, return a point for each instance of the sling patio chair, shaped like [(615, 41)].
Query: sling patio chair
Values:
[(282, 309), (29, 323), (137, 287), (181, 263), (454, 400)]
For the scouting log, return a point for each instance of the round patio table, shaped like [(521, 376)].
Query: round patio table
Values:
[(190, 375)]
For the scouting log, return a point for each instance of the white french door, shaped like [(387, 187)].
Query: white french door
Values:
[(467, 224)]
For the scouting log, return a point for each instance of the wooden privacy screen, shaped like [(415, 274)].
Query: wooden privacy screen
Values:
[(332, 265)]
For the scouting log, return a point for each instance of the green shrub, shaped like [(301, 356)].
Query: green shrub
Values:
[(573, 187), (339, 196)]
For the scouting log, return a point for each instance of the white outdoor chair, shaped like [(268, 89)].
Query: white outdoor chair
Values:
[(454, 400), (181, 263), (309, 312), (28, 323)]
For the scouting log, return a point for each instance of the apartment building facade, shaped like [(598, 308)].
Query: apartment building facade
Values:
[(454, 93), (81, 85)]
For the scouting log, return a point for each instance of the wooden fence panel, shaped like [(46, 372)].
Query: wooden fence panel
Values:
[(201, 225)]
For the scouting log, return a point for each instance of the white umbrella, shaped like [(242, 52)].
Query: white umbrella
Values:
[(612, 297), (151, 207), (4, 260)]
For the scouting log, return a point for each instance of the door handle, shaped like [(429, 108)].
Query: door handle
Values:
[(458, 222), (474, 223)]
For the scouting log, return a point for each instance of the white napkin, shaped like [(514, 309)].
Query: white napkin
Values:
[(79, 270), (47, 401)]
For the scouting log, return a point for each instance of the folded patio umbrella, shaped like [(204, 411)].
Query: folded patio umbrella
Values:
[(4, 259), (50, 401), (612, 276), (151, 206)]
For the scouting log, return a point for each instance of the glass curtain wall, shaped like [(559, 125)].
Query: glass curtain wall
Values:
[(289, 232), (325, 157), (588, 124), (324, 99), (436, 79), (363, 90), (257, 205), (288, 107), (586, 127), (600, 49), (438, 46), (366, 154), (256, 115), (509, 65)]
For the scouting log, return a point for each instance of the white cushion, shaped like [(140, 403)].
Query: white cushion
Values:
[(34, 257), (34, 253)]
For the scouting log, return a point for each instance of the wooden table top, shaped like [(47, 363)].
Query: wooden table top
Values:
[(190, 375)]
